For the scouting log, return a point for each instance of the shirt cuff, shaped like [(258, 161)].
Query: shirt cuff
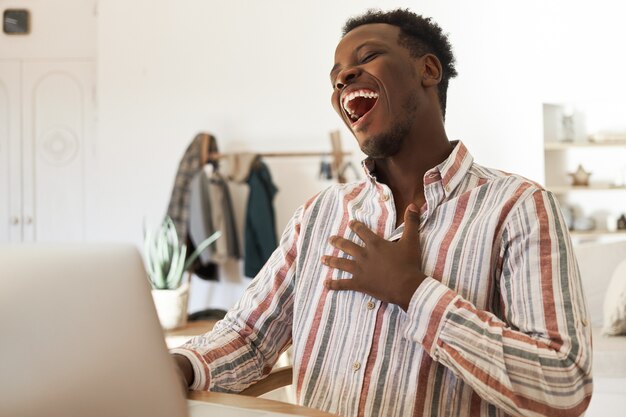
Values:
[(201, 378), (427, 313)]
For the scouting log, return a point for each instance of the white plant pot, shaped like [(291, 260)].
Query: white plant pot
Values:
[(171, 306)]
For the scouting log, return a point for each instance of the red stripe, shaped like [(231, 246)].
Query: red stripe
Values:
[(423, 380), (519, 400), (371, 359), (456, 165), (207, 381), (277, 282), (545, 262), (317, 319), (493, 321), (435, 318), (475, 403), (442, 255), (485, 316), (507, 207)]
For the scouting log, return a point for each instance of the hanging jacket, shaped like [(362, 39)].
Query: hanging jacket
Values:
[(260, 232), (194, 158), (212, 210)]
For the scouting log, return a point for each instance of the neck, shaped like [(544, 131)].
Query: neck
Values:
[(404, 172)]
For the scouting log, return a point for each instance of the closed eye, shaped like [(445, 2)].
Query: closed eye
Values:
[(369, 57)]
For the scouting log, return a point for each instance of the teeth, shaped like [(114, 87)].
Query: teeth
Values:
[(354, 94)]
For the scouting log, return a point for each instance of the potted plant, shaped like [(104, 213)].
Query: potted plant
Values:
[(166, 261)]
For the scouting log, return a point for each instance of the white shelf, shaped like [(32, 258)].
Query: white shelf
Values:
[(597, 233), (559, 146), (560, 189), (603, 156)]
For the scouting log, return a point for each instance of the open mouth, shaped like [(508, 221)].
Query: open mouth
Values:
[(358, 103)]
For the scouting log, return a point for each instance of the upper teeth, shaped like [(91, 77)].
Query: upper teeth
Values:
[(354, 94)]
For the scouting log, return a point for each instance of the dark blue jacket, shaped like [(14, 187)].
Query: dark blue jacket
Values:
[(260, 235)]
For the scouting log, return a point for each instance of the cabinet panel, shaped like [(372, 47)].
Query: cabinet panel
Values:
[(57, 125), (10, 152)]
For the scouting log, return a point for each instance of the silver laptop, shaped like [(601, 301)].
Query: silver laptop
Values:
[(79, 337)]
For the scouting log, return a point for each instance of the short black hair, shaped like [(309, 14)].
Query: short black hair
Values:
[(420, 35)]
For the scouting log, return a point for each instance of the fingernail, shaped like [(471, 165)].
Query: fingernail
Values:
[(324, 260), (412, 207)]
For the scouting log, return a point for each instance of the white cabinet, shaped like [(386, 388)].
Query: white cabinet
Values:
[(604, 198), (46, 139)]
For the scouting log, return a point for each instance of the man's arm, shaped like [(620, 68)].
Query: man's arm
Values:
[(243, 347), (538, 357)]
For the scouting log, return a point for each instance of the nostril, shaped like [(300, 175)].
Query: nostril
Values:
[(339, 86)]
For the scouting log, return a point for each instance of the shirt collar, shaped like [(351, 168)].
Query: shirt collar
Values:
[(455, 167), (451, 171)]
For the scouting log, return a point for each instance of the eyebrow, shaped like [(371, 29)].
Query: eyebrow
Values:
[(336, 67)]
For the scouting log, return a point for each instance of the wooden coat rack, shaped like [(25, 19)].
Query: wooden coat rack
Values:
[(337, 154)]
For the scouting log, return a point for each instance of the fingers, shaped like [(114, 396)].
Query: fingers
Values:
[(346, 246), (343, 264), (341, 284), (411, 224), (364, 232)]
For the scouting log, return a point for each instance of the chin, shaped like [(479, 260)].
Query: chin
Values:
[(383, 145)]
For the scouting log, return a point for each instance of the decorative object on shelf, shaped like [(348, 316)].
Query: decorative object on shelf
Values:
[(611, 223), (567, 121), (616, 137), (166, 263), (621, 222), (580, 177), (584, 224)]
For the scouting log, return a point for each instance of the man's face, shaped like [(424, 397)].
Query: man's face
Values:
[(375, 88)]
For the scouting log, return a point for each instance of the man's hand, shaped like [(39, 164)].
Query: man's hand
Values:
[(184, 370), (389, 271)]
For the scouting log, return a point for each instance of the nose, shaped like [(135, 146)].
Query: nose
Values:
[(346, 76)]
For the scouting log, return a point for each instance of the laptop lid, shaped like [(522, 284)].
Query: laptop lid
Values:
[(79, 335)]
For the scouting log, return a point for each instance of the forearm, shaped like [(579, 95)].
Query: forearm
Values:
[(513, 370), (243, 347), (185, 369)]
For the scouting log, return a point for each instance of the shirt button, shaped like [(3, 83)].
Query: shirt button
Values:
[(384, 197), (584, 322), (356, 366), (370, 305)]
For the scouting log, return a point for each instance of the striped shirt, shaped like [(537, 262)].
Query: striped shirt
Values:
[(499, 327)]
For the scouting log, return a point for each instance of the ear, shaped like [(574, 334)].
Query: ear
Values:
[(431, 70)]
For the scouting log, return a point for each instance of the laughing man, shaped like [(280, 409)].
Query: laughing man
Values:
[(435, 287)]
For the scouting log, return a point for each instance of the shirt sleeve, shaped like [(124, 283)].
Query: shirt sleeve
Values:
[(244, 346), (535, 357)]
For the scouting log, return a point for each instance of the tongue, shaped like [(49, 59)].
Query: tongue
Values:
[(362, 105)]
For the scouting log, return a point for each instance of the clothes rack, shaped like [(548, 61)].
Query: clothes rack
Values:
[(337, 155)]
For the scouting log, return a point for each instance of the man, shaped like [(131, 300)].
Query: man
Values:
[(436, 287)]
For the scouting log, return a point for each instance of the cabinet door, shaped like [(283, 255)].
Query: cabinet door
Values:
[(57, 114), (10, 153)]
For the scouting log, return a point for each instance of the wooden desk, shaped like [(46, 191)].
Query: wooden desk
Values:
[(177, 337), (255, 403)]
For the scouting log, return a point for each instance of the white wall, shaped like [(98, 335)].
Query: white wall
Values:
[(256, 75)]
